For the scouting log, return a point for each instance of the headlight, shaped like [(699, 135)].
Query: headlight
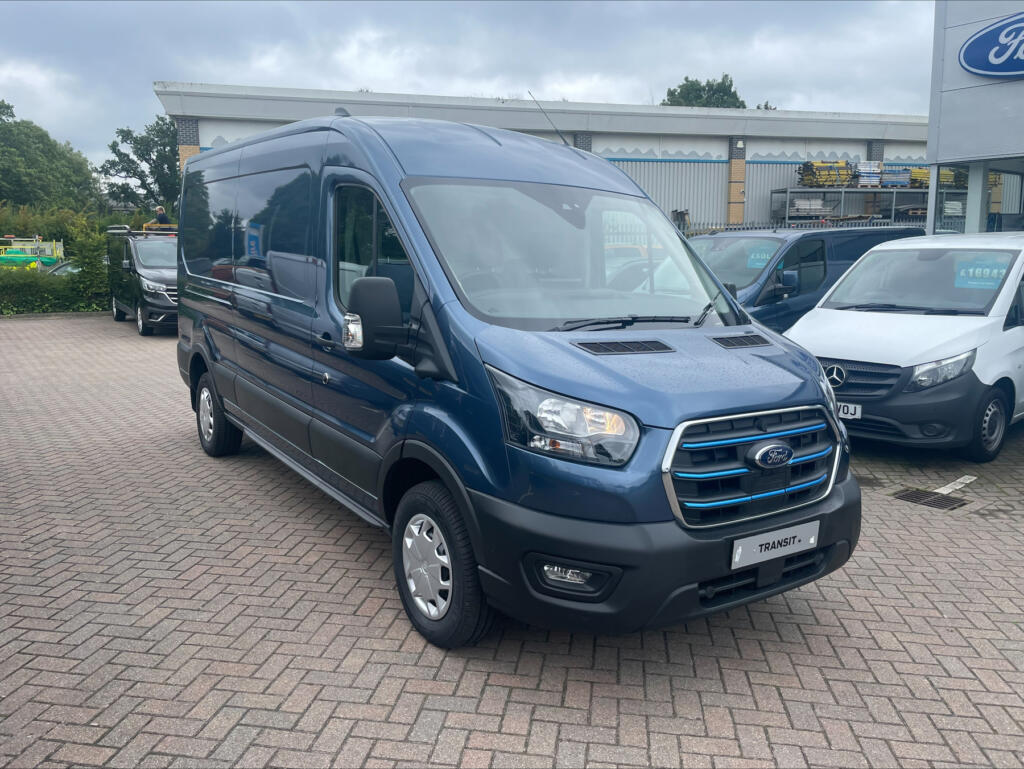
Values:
[(542, 421), (826, 388), (151, 287), (937, 372)]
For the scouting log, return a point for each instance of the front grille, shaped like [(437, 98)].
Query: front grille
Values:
[(712, 480), (172, 293), (743, 584), (868, 424), (863, 380)]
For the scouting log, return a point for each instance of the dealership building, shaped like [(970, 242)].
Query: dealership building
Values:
[(719, 166), (976, 114)]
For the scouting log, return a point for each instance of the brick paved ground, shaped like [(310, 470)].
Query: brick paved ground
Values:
[(160, 608)]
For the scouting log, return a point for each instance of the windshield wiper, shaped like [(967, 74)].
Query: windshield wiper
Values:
[(883, 307), (952, 311), (707, 309), (621, 322)]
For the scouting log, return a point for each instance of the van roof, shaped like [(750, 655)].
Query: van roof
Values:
[(439, 148)]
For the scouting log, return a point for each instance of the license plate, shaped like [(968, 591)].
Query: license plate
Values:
[(774, 544), (848, 410)]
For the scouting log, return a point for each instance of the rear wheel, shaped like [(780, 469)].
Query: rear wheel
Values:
[(990, 423), (118, 313), (436, 570), (217, 435), (140, 322)]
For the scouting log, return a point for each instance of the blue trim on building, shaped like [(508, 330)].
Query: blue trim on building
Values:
[(665, 160)]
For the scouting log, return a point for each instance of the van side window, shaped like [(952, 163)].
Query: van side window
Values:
[(367, 245), (272, 236), (807, 258), (1015, 317), (208, 214)]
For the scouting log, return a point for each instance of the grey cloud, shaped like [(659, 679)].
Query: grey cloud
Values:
[(102, 58)]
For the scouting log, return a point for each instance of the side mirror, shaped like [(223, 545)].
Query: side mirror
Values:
[(126, 265), (786, 283), (373, 323)]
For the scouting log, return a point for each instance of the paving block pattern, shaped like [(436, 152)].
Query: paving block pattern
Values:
[(159, 608)]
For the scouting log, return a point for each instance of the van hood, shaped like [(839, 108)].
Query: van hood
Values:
[(168, 276), (697, 378), (893, 338)]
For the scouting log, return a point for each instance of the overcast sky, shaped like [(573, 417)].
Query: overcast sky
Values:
[(82, 69)]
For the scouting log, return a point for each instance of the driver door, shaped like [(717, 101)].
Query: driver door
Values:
[(802, 270)]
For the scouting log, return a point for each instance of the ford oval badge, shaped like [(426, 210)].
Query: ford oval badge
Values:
[(997, 50), (773, 456)]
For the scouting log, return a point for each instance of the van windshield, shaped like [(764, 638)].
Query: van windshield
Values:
[(549, 257), (157, 253), (739, 259), (933, 281)]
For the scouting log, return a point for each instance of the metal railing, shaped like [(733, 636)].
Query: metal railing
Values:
[(705, 228)]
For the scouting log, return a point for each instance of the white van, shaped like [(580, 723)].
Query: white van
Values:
[(922, 341)]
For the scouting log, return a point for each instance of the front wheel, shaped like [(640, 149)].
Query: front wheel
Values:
[(144, 328), (436, 570), (217, 435), (990, 423)]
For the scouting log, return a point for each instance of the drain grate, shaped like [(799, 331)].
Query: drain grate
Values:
[(930, 499)]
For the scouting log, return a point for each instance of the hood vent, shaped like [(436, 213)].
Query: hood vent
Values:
[(743, 340), (623, 348)]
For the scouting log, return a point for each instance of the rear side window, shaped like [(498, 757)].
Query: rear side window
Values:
[(207, 221), (850, 248), (272, 237), (807, 259), (368, 244)]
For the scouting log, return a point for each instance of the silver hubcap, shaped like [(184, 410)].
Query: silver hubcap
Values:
[(206, 414), (428, 566), (993, 425), (138, 317)]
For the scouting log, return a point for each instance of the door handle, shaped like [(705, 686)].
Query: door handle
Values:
[(324, 340)]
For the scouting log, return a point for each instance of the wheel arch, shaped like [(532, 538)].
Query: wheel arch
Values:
[(412, 462), (197, 366)]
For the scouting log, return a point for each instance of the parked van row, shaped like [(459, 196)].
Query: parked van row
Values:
[(442, 326)]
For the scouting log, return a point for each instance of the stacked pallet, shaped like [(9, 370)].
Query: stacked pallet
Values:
[(825, 173), (919, 176), (896, 177), (869, 173)]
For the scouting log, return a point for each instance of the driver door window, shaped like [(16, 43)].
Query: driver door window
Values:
[(807, 259), (367, 244)]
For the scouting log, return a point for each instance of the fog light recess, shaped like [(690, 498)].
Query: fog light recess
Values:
[(577, 580), (933, 429)]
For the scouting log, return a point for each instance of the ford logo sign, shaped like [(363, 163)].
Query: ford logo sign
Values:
[(997, 50), (772, 455)]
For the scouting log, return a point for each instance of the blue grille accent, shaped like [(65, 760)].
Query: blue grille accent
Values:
[(810, 457), (719, 474), (762, 495), (753, 438)]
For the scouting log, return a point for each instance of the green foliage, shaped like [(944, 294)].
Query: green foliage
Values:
[(33, 290), (710, 93), (36, 170), (144, 168)]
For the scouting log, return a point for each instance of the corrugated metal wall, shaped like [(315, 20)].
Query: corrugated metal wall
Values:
[(699, 187), (1011, 194), (762, 178)]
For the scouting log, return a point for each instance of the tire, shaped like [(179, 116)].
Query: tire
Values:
[(427, 516), (991, 421), (119, 315), (217, 435), (144, 328)]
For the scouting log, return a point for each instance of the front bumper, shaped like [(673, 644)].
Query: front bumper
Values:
[(159, 311), (660, 573), (901, 416)]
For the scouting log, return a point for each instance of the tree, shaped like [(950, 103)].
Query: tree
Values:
[(710, 93), (37, 170), (144, 169)]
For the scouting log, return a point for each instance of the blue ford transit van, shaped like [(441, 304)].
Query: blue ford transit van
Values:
[(417, 317), (782, 274)]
